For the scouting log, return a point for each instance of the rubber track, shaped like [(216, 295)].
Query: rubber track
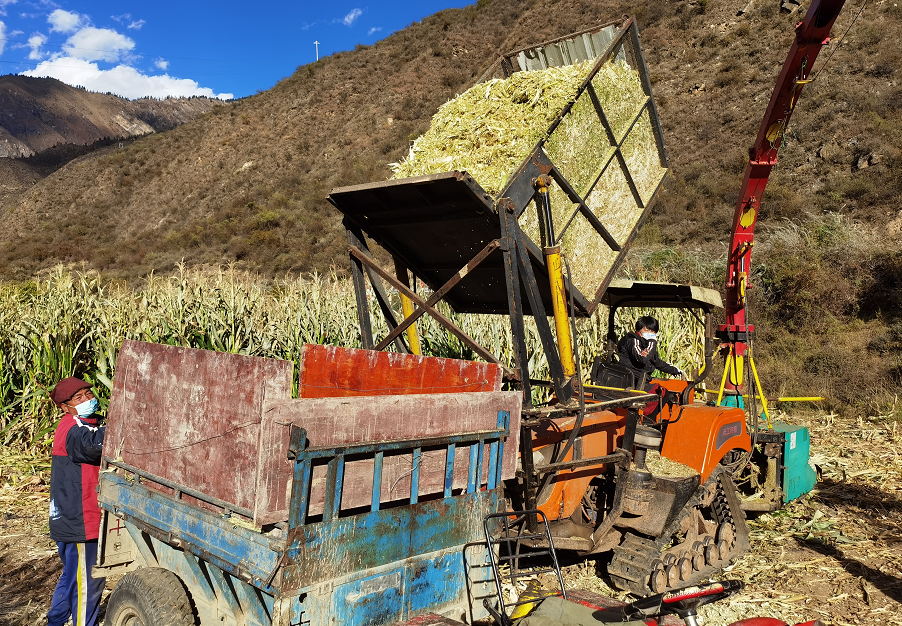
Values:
[(631, 565)]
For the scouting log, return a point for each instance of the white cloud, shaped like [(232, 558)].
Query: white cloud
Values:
[(136, 25), (2, 37), (121, 80), (4, 4), (374, 29), (98, 44), (351, 17), (161, 64), (36, 42), (64, 21)]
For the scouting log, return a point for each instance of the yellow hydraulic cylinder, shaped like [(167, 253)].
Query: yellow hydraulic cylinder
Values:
[(559, 305), (736, 369), (412, 336), (407, 307)]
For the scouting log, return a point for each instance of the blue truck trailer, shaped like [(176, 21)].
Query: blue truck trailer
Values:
[(375, 531)]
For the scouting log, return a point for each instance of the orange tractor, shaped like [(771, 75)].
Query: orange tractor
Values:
[(652, 487)]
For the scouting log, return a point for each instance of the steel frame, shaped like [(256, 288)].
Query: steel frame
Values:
[(519, 253)]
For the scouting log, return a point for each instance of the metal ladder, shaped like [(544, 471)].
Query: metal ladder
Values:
[(511, 535)]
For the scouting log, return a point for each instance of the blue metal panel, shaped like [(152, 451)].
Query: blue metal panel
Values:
[(415, 475), (333, 549), (255, 605), (449, 470), (433, 584), (372, 600), (377, 480), (223, 591), (241, 551)]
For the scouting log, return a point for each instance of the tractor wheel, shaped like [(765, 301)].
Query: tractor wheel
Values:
[(149, 597)]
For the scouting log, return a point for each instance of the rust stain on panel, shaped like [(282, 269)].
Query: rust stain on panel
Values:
[(330, 372), (193, 416), (345, 421)]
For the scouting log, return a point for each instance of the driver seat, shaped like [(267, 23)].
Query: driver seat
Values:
[(610, 374)]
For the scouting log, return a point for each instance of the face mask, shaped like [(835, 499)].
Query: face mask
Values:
[(88, 407), (649, 335)]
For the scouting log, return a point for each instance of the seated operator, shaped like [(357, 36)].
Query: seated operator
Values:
[(639, 351)]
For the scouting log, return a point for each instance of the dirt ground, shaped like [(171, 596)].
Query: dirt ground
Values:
[(833, 555)]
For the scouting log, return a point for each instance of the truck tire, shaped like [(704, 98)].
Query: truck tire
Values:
[(150, 596)]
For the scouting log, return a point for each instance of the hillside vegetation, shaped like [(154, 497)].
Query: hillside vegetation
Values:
[(245, 182)]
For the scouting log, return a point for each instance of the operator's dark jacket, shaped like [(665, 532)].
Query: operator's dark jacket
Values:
[(641, 354), (74, 471)]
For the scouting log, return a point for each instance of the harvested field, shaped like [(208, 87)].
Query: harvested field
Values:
[(835, 554)]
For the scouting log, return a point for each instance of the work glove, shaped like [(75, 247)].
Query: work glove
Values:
[(682, 374)]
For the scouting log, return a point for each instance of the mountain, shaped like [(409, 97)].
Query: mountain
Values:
[(39, 113), (245, 182)]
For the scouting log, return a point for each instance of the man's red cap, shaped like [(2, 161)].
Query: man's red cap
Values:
[(66, 388)]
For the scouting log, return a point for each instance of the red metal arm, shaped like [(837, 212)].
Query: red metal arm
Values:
[(811, 34)]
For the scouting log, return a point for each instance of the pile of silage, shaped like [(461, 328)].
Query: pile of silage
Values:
[(489, 129)]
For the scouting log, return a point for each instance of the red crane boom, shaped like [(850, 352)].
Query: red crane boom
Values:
[(812, 33)]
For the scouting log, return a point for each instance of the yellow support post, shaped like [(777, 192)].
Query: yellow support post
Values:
[(407, 307), (728, 363), (636, 391), (760, 393)]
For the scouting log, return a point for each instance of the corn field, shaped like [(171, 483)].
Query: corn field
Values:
[(72, 323)]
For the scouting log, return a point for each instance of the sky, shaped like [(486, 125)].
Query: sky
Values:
[(224, 49)]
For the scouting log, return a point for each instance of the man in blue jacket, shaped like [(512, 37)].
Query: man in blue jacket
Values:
[(74, 513)]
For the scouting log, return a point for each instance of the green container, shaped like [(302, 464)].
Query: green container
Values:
[(798, 476)]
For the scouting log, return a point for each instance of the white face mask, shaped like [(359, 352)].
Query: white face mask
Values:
[(649, 335)]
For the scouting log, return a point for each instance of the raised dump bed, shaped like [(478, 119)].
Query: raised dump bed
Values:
[(485, 251)]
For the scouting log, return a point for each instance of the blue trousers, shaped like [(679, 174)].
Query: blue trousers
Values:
[(76, 594)]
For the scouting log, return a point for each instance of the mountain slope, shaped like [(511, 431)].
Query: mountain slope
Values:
[(38, 113), (246, 181)]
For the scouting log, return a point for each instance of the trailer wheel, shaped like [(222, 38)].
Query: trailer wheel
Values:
[(149, 597)]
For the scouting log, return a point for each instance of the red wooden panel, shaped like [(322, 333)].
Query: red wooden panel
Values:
[(331, 372), (193, 416), (343, 421)]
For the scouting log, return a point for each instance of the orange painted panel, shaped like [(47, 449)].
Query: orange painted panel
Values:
[(703, 434), (333, 372), (675, 384), (601, 433)]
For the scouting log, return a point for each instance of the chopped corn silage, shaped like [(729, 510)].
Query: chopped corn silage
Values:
[(662, 466), (489, 129)]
